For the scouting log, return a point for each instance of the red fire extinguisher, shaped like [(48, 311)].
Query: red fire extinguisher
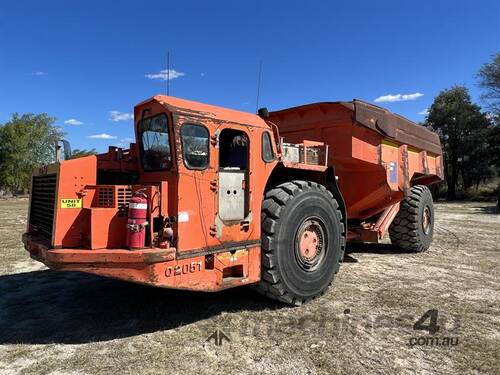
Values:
[(136, 224)]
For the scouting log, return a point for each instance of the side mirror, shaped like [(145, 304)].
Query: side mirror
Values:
[(66, 149)]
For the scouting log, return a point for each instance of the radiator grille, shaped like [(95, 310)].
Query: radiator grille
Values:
[(43, 196)]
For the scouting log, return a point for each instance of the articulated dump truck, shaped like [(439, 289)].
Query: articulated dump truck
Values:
[(209, 198)]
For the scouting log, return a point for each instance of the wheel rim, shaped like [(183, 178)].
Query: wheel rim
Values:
[(310, 244), (426, 220)]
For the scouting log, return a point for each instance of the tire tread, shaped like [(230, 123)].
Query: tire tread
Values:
[(403, 231)]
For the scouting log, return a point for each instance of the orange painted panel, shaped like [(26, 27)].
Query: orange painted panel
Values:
[(71, 224)]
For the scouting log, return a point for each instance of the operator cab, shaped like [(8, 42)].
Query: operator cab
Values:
[(201, 161)]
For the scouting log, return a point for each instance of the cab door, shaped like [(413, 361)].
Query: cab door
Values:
[(197, 186), (214, 195)]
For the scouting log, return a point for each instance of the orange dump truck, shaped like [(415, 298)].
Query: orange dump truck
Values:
[(209, 198)]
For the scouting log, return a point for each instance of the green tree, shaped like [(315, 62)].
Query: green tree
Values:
[(79, 153), (494, 143), (464, 132), (26, 141), (489, 81)]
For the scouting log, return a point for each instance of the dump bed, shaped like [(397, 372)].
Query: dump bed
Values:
[(377, 155)]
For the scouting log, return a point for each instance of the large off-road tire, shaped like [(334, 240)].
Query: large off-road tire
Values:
[(303, 241), (413, 226)]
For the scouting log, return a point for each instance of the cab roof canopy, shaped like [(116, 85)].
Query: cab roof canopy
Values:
[(197, 109)]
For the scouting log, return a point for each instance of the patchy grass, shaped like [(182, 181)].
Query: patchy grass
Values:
[(71, 323)]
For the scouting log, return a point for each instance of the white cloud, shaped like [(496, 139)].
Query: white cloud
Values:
[(165, 74), (39, 73), (102, 136), (424, 112), (73, 121), (398, 97), (120, 116)]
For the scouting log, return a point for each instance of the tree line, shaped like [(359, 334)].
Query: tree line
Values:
[(26, 142), (470, 137)]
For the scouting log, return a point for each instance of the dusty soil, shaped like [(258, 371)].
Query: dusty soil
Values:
[(69, 323)]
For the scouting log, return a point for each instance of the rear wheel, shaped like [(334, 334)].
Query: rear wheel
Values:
[(413, 227), (303, 241)]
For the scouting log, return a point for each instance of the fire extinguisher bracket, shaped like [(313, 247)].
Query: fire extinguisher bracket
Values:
[(137, 223), (137, 227)]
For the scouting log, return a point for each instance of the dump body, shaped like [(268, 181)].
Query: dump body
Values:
[(377, 155)]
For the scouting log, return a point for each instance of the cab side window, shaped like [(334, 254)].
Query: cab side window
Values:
[(267, 148), (195, 146), (233, 150)]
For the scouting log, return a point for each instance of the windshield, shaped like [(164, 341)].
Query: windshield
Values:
[(155, 143)]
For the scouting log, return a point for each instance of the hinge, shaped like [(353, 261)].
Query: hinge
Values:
[(244, 225), (214, 139), (213, 185)]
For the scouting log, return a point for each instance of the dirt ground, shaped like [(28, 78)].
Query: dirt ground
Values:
[(70, 323)]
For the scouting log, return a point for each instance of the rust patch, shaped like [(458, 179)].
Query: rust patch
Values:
[(151, 258)]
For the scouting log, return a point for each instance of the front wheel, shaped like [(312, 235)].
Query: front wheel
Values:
[(303, 241)]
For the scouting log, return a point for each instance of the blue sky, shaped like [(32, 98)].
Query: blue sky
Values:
[(78, 61)]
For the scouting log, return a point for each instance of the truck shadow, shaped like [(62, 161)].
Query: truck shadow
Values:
[(68, 307), (46, 306), (492, 210), (374, 248)]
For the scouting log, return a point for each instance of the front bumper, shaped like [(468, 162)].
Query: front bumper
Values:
[(39, 249), (157, 267)]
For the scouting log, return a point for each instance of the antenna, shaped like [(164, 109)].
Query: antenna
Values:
[(258, 86), (168, 73)]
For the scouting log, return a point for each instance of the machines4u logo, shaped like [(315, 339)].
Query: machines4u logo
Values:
[(218, 337)]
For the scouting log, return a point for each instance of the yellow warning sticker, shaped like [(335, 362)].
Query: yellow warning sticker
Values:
[(71, 203)]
